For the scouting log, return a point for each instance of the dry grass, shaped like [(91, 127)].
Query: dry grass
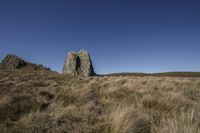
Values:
[(35, 101), (128, 120)]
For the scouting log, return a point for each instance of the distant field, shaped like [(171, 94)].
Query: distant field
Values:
[(170, 74), (40, 101)]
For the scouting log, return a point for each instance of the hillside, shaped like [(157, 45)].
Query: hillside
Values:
[(169, 74), (38, 100)]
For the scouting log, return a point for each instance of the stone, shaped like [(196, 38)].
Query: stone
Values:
[(78, 63), (13, 61)]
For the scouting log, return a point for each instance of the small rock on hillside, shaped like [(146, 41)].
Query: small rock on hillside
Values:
[(13, 61)]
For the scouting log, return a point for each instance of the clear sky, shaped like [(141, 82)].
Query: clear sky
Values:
[(120, 35)]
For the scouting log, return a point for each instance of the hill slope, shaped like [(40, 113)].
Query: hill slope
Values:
[(35, 101), (15, 62)]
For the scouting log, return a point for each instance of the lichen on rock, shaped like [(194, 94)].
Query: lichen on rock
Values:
[(78, 63)]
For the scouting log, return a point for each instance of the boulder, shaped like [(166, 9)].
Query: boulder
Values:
[(78, 63)]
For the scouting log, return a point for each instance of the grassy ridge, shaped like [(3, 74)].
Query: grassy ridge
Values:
[(170, 74)]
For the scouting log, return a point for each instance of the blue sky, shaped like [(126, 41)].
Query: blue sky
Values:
[(121, 35)]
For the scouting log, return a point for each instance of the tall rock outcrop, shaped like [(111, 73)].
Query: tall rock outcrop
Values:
[(78, 63)]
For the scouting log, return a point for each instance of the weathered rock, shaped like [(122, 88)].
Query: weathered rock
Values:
[(13, 61), (78, 63)]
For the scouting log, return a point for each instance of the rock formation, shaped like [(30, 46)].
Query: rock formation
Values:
[(13, 61), (78, 63)]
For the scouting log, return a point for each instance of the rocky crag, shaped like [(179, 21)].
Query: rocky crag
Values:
[(78, 63), (15, 62)]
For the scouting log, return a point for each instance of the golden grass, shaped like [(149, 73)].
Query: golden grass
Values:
[(33, 101), (128, 120)]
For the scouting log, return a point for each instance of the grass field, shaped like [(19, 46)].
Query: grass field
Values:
[(40, 101)]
